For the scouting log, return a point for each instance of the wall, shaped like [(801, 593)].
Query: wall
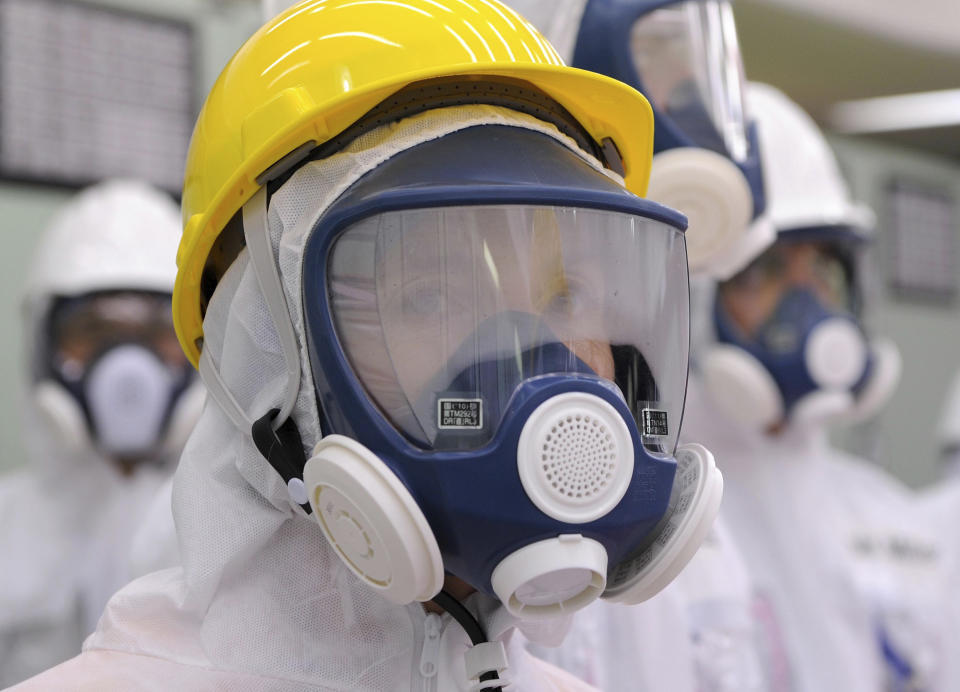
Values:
[(927, 24), (24, 209), (902, 439)]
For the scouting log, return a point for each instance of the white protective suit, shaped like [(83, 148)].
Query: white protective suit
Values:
[(261, 601), (949, 433), (847, 580), (940, 507), (69, 515), (645, 647), (698, 634), (847, 583)]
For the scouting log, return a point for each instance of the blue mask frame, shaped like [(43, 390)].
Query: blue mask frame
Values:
[(474, 500)]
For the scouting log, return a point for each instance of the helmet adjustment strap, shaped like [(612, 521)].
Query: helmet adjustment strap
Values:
[(445, 92)]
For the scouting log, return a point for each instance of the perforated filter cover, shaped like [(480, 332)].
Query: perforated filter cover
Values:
[(575, 457)]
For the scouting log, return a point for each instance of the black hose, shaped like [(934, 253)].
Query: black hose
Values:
[(470, 625)]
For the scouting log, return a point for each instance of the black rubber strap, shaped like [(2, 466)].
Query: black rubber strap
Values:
[(282, 448)]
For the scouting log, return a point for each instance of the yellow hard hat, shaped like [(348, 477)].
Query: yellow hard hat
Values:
[(319, 67)]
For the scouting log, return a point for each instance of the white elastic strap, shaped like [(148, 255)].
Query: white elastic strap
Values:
[(257, 234), (210, 374)]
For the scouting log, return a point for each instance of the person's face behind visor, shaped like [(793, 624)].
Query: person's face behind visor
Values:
[(751, 297), (83, 328), (472, 300), (534, 281)]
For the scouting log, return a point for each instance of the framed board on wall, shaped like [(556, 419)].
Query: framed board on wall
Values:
[(88, 92), (924, 239)]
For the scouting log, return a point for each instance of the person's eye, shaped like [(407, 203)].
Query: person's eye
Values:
[(573, 300), (560, 304)]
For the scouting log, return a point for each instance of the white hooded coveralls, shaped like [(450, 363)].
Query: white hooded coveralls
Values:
[(842, 565)]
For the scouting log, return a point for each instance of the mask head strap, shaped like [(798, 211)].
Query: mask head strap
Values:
[(275, 433)]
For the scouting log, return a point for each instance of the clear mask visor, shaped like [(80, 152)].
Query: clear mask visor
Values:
[(824, 269), (443, 313), (82, 328), (688, 60)]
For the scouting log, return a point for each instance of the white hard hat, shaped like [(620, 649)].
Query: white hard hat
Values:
[(120, 234), (801, 176)]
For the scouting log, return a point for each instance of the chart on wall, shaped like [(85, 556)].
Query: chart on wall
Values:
[(923, 225), (88, 92)]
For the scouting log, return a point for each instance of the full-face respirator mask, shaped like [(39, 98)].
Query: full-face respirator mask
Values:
[(498, 336), (109, 375), (809, 360), (496, 416)]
